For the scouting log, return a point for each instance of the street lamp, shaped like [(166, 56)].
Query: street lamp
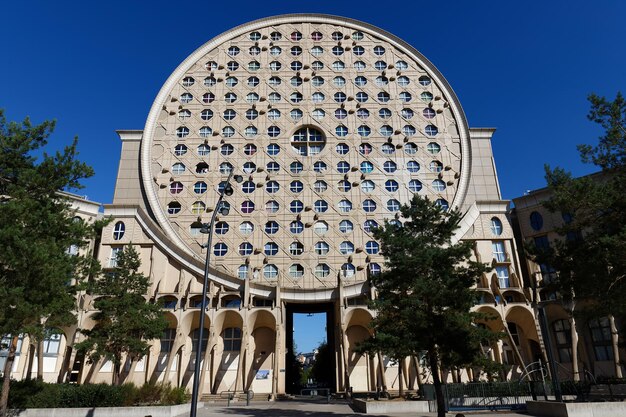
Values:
[(225, 188)]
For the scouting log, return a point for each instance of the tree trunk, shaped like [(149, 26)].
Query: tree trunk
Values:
[(8, 367), (401, 386), (31, 358), (40, 360), (116, 372), (434, 369), (65, 365)]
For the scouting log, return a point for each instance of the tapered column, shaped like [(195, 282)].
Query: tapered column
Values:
[(276, 369), (207, 354), (241, 362), (615, 345), (346, 370), (381, 367), (574, 336)]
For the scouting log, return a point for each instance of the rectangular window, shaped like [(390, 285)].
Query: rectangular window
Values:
[(5, 343), (601, 338), (563, 339), (263, 302), (498, 251), (72, 250), (51, 344), (115, 251), (503, 276), (167, 341), (514, 333), (548, 274), (194, 339)]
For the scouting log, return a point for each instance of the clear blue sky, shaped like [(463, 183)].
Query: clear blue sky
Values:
[(309, 331), (522, 67)]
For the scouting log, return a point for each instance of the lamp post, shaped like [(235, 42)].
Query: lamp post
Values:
[(225, 188)]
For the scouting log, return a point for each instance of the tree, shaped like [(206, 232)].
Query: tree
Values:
[(426, 291), (125, 319), (322, 371), (38, 275), (589, 257)]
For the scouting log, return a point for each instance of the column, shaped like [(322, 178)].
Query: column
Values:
[(574, 336)]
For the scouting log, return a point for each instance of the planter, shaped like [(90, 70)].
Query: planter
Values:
[(154, 411), (386, 406)]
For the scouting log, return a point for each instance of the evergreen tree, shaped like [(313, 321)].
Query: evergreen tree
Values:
[(125, 319), (38, 275), (425, 292), (322, 370), (589, 257)]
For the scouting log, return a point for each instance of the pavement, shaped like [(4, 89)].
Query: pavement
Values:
[(311, 408)]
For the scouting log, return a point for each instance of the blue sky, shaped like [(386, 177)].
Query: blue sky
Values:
[(524, 68)]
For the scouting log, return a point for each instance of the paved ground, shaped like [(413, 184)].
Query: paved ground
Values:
[(311, 409)]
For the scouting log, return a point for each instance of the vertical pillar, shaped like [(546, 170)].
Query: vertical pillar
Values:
[(418, 372), (381, 367), (205, 359), (614, 343), (346, 370), (574, 336), (276, 366), (168, 364)]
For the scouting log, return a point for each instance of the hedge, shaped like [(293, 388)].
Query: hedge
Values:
[(37, 394)]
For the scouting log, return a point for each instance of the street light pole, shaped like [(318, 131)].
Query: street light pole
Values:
[(207, 228)]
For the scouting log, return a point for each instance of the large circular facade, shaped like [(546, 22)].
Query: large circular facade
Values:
[(332, 123)]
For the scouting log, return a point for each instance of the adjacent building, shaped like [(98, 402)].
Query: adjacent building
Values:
[(584, 348)]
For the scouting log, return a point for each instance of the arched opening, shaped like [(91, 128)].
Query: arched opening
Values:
[(322, 315)]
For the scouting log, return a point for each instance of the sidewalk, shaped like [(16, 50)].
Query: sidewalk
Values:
[(313, 409)]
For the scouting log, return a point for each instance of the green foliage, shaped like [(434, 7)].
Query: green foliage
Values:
[(38, 277), (37, 228), (322, 370), (159, 393), (38, 394), (125, 320), (426, 291), (489, 368), (590, 254)]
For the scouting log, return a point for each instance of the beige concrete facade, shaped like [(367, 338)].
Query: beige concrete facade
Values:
[(333, 123)]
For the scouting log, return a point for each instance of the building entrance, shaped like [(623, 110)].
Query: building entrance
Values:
[(328, 379)]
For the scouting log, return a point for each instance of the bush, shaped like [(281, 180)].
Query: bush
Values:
[(95, 395), (31, 393), (176, 396), (37, 394), (163, 394)]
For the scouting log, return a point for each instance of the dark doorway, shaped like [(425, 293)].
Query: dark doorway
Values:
[(327, 356)]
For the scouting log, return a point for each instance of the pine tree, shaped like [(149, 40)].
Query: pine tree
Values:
[(125, 319), (426, 291), (589, 257), (38, 276)]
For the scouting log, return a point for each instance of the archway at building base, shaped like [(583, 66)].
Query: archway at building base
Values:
[(292, 383)]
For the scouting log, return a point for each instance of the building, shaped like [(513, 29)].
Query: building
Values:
[(333, 123), (584, 348)]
